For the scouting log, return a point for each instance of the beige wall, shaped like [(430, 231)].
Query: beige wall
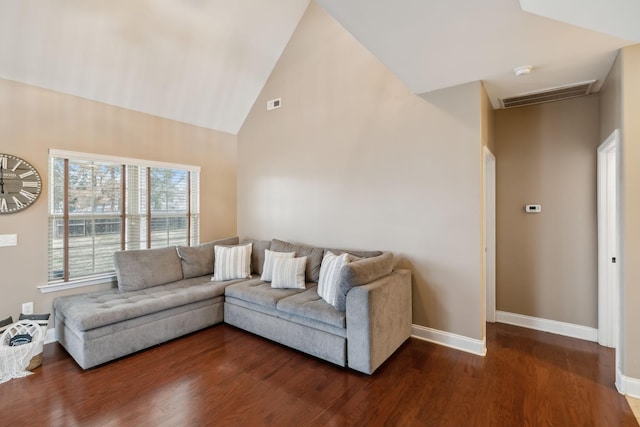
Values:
[(547, 262), (487, 126), (630, 266), (488, 122), (620, 109), (32, 120), (611, 101), (610, 120), (353, 159)]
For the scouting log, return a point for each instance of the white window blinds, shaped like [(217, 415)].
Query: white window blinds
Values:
[(101, 204)]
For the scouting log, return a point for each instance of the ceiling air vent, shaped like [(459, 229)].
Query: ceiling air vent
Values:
[(549, 95)]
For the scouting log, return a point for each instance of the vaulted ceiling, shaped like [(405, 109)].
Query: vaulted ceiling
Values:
[(437, 44), (204, 62)]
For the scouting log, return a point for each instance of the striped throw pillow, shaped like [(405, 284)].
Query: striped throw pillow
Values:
[(269, 256), (232, 262), (289, 272), (330, 275)]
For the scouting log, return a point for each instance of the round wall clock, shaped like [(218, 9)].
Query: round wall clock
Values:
[(20, 184)]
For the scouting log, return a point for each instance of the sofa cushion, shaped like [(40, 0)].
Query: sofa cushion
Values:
[(313, 254), (359, 254), (144, 268), (93, 310), (257, 254), (269, 257), (232, 262), (361, 272), (198, 260), (258, 292), (310, 305), (289, 272)]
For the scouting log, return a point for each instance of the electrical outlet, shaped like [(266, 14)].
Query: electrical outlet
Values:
[(27, 308)]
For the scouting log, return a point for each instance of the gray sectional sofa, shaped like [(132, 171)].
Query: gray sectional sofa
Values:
[(165, 293)]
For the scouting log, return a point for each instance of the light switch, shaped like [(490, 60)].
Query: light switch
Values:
[(274, 103), (8, 240)]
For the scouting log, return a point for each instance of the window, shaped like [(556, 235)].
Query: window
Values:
[(102, 204)]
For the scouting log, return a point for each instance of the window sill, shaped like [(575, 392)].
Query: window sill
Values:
[(78, 283)]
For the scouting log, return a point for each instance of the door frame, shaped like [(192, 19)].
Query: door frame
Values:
[(490, 234), (609, 242)]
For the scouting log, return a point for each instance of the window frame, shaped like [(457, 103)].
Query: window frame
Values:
[(192, 204)]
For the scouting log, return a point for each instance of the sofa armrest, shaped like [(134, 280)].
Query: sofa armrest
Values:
[(378, 320)]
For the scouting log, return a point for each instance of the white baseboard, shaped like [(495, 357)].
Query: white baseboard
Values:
[(545, 325), (627, 385), (51, 336), (448, 339)]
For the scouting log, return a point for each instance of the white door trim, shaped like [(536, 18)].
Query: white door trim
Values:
[(490, 233), (608, 238)]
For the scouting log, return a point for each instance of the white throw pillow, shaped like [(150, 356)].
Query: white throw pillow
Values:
[(330, 275), (269, 256), (288, 272), (232, 262)]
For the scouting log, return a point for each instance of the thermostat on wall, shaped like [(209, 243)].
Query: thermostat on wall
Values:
[(533, 208)]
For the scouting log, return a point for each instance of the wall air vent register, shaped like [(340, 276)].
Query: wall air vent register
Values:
[(549, 95)]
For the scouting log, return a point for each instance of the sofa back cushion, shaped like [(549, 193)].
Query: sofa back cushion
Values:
[(199, 260), (313, 254), (144, 268), (360, 273), (359, 254), (257, 254)]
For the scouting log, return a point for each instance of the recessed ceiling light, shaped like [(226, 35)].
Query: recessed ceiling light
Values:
[(522, 70)]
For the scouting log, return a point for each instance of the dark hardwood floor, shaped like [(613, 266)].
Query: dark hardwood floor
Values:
[(223, 376)]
